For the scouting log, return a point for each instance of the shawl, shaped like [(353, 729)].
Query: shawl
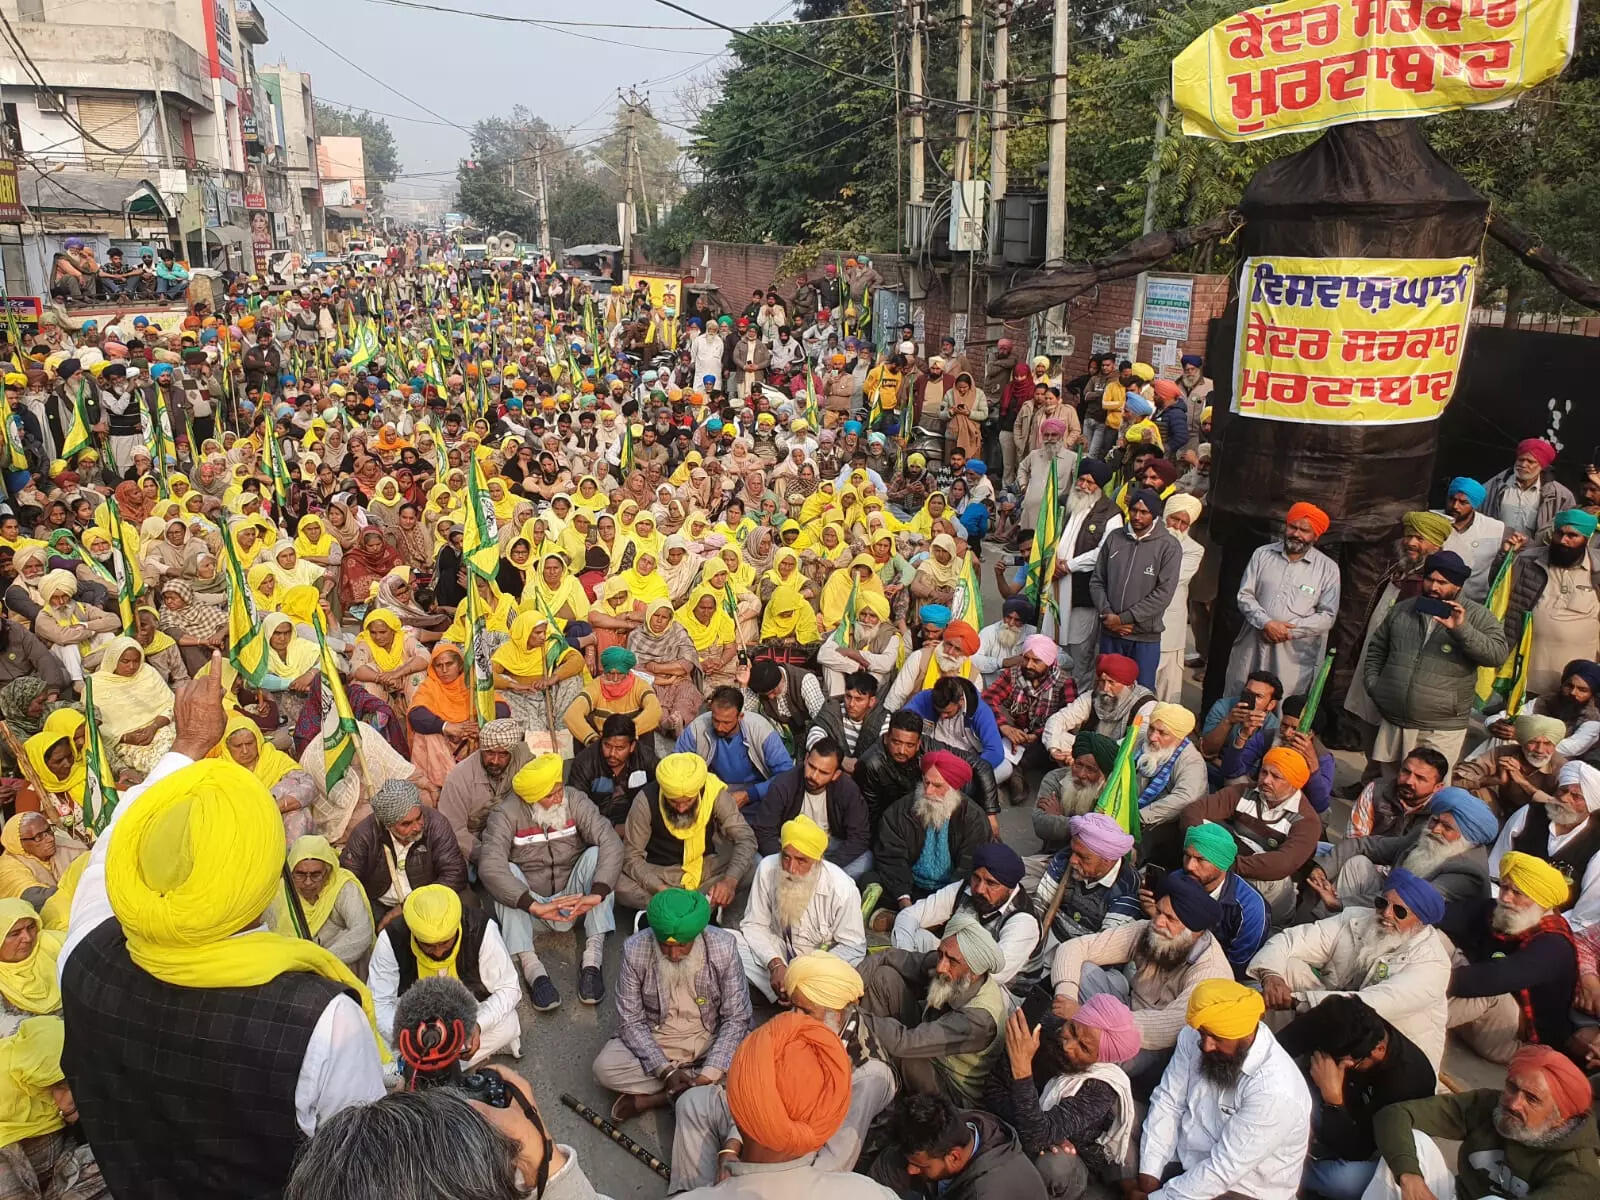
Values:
[(776, 577), (408, 611), (836, 592), (719, 631), (302, 574), (945, 575), (347, 533), (395, 655), (195, 620), (17, 697), (549, 600), (294, 662), (30, 985), (384, 507), (263, 580), (923, 521), (71, 784), (447, 701), (47, 873), (415, 545), (499, 611), (516, 657), (642, 587), (672, 644), (741, 575), (319, 910), (363, 566), (760, 561), (680, 578), (313, 547), (123, 703)]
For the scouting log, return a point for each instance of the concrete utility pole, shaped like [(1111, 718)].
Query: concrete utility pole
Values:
[(917, 105), (963, 155), (630, 149), (1152, 188), (998, 180), (544, 203), (1055, 228)]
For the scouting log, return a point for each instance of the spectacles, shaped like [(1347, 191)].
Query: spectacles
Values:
[(1383, 904), (37, 837)]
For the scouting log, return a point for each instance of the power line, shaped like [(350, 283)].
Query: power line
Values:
[(546, 21)]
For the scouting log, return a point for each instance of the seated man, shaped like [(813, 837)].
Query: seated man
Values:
[(1447, 850), (939, 1016), (1000, 644), (1521, 965), (788, 697), (1506, 778), (1209, 853), (1391, 956), (798, 902), (820, 789), (853, 719), (434, 935), (963, 1153), (693, 837), (1562, 828), (741, 749), (1062, 1088), (1391, 807), (946, 655), (548, 858), (1237, 722), (402, 834), (1358, 1063), (1102, 884), (871, 647), (616, 769), (828, 989), (1172, 773), (1072, 790), (682, 1006), (1274, 824), (1243, 762), (1118, 697), (1022, 698), (1535, 1137), (888, 770), (956, 717), (1151, 966), (1232, 1109), (993, 894), (481, 780), (926, 840)]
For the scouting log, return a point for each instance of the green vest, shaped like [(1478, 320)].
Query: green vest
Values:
[(967, 1073)]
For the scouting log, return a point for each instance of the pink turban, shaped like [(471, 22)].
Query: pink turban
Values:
[(1101, 835), (951, 769), (1538, 449), (1041, 647), (1052, 427), (1119, 1036)]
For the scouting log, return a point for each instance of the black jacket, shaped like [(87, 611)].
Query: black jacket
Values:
[(614, 797), (1545, 966), (848, 828), (434, 858), (899, 845), (830, 719), (1000, 1170)]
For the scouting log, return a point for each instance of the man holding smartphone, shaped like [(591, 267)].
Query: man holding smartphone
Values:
[(1422, 663)]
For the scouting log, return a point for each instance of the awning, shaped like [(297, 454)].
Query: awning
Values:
[(91, 192), (345, 212), (237, 235)]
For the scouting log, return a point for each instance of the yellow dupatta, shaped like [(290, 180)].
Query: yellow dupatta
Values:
[(31, 984), (719, 631), (789, 617), (694, 837), (319, 910), (390, 659)]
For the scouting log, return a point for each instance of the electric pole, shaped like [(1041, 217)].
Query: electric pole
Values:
[(917, 105), (629, 150), (998, 180), (963, 155), (544, 203), (1055, 228)]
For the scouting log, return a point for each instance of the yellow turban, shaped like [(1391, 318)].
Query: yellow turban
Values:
[(1535, 879), (1174, 718), (875, 603), (433, 913), (681, 774), (804, 835), (539, 778), (825, 978), (1225, 1009), (197, 859)]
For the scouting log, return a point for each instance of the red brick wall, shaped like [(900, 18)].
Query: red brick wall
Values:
[(1110, 308)]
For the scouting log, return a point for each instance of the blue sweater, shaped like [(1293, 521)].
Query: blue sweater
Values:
[(980, 721), (1244, 927), (730, 761)]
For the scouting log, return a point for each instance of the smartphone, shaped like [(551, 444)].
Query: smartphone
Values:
[(1429, 607), (1152, 876)]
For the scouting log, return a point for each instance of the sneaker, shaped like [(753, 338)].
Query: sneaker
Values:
[(882, 921), (544, 994), (591, 987)]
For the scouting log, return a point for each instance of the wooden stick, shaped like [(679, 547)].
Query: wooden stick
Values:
[(616, 1135)]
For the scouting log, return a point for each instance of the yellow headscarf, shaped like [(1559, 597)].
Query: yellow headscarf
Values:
[(718, 631), (72, 783), (158, 641), (645, 588), (923, 522), (299, 658), (515, 658), (272, 764), (313, 547), (124, 703), (506, 506), (197, 859), (742, 576), (836, 592), (943, 574), (789, 617), (433, 914), (31, 1060), (30, 984), (540, 597), (318, 911), (301, 604), (390, 659), (259, 577), (501, 611), (574, 542), (777, 578), (683, 775)]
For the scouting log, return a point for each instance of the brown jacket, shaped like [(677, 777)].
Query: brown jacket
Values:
[(1286, 853)]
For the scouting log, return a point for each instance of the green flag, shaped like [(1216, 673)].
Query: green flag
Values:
[(1119, 799), (1040, 582), (99, 788)]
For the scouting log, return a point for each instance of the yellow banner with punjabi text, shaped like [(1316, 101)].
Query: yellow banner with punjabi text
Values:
[(1355, 341), (665, 290), (1307, 64)]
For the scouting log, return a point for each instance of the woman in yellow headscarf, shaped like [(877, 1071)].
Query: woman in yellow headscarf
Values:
[(574, 539), (819, 502), (293, 571), (862, 575), (537, 677), (740, 573), (501, 497), (555, 591), (497, 608), (643, 581), (388, 659), (263, 581), (37, 855), (383, 510), (60, 765), (293, 664), (934, 507), (712, 631), (28, 953), (294, 791), (644, 538), (314, 544), (133, 706), (589, 497), (785, 572), (788, 618), (938, 574), (746, 602), (337, 912), (626, 512)]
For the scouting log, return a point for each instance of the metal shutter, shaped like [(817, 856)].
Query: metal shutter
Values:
[(113, 120)]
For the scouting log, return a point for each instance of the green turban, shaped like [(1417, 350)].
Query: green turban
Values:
[(1576, 518), (1213, 843), (617, 658), (678, 916), (1429, 526), (1097, 745)]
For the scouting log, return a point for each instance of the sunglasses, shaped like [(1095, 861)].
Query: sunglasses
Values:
[(1382, 904)]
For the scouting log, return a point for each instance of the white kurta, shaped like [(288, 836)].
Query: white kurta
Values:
[(1478, 546), (498, 1027), (1305, 593)]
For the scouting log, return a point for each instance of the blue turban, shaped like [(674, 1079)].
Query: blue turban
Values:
[(935, 614), (1191, 903), (977, 466), (1001, 861), (1585, 669), (1096, 470), (1474, 491), (1420, 896), (160, 369), (1191, 360), (714, 424), (1147, 497), (1022, 607), (1138, 406), (1473, 817), (852, 426)]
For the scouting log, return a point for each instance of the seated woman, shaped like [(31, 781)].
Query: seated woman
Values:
[(786, 572), (444, 729), (397, 594), (196, 628), (712, 633), (860, 578), (264, 589), (388, 658), (555, 591), (76, 633), (28, 953), (338, 915), (293, 571), (938, 574), (617, 689), (36, 856), (56, 755), (789, 620), (538, 680), (496, 609), (615, 614), (293, 662), (293, 789), (367, 562), (667, 654), (745, 601), (160, 649), (133, 706), (314, 543), (515, 566)]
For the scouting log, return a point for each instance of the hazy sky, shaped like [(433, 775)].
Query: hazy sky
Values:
[(465, 67)]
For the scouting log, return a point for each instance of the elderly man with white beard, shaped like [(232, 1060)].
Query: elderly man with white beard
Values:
[(1448, 850), (926, 840), (1152, 966), (1171, 778), (1390, 955), (1070, 791), (950, 656), (1098, 873), (1506, 777), (993, 893), (1115, 702), (1534, 1138), (1562, 829), (1000, 644), (798, 902), (1520, 964), (871, 644), (1090, 515)]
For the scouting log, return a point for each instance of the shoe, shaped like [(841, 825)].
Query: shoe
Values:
[(544, 994), (591, 987), (882, 921)]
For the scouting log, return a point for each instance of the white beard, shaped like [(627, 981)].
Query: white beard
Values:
[(682, 973), (935, 814), (1430, 853), (1377, 942), (553, 816), (1506, 919), (1007, 638), (1105, 706), (942, 991), (1150, 760), (794, 895), (1076, 800), (949, 659), (1080, 502), (1538, 761), (1564, 814)]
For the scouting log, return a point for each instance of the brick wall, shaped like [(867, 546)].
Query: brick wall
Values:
[(1110, 307)]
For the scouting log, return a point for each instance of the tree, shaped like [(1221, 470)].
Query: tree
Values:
[(582, 211), (379, 154)]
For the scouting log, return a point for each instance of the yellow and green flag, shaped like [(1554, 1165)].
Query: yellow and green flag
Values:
[(11, 452), (99, 787), (1119, 799), (78, 437), (247, 644), (342, 745), (126, 563), (481, 538), (1040, 582), (1496, 681)]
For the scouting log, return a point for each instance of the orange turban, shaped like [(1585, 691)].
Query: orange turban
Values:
[(962, 636), (1291, 764), (789, 1085), (1311, 514), (1569, 1087)]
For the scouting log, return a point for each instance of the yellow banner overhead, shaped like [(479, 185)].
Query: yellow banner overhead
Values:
[(1364, 341), (1308, 64)]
